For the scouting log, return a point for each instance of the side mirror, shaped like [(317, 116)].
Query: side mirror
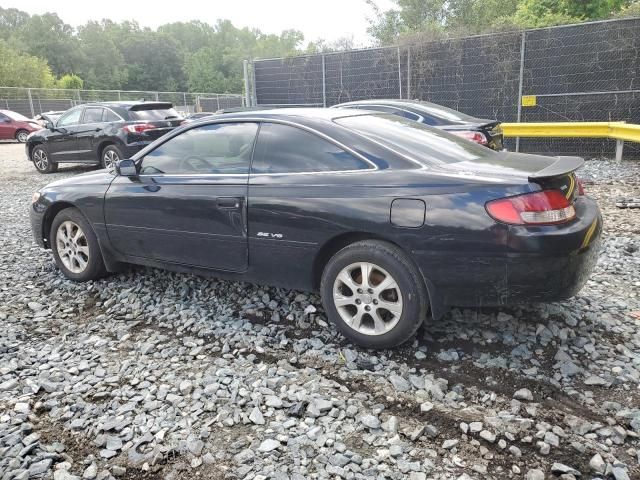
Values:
[(126, 168), (49, 125)]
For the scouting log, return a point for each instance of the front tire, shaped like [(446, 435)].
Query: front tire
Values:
[(374, 294), (110, 156), (21, 136), (41, 160), (75, 247)]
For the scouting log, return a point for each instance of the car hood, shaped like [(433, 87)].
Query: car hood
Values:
[(100, 177), (514, 165)]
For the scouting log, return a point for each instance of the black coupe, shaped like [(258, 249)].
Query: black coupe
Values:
[(388, 218)]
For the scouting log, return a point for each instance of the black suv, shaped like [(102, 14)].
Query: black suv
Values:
[(100, 133)]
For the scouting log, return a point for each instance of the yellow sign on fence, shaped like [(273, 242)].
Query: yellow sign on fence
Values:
[(528, 100)]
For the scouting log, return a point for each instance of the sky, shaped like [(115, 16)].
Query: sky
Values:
[(327, 19)]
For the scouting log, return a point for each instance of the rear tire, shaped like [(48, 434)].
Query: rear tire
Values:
[(109, 156), (75, 247), (41, 160), (374, 294), (21, 136)]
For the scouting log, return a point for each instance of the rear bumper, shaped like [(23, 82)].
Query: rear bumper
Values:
[(541, 264)]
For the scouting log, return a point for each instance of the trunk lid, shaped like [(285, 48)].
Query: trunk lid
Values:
[(547, 172)]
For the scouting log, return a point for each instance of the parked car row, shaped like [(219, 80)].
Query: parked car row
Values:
[(391, 219)]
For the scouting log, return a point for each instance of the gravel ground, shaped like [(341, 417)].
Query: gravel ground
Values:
[(149, 374)]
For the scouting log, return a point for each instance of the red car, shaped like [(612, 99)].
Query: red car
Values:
[(16, 126)]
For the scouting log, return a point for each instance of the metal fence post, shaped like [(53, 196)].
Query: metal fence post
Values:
[(218, 101), (254, 96), (33, 113), (157, 96), (522, 50), (184, 100), (399, 74), (324, 82), (408, 72), (245, 68), (119, 96), (619, 149)]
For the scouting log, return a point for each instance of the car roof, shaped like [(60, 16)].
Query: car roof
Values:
[(127, 104), (421, 107), (297, 113)]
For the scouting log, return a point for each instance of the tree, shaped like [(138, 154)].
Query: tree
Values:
[(10, 20), (410, 17), (154, 62), (218, 66), (191, 36), (22, 70), (70, 81), (102, 66), (47, 36), (543, 13)]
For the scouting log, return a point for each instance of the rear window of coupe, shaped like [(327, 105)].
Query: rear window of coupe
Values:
[(419, 142)]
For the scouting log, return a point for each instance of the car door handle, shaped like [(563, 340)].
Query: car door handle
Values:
[(228, 202)]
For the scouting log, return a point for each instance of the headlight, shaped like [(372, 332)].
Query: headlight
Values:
[(35, 197)]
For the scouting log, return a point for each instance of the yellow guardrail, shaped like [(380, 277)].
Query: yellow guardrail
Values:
[(614, 130)]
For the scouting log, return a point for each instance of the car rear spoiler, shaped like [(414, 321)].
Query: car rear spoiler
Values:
[(150, 106), (562, 166)]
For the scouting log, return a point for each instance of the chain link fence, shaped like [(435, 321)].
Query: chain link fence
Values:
[(584, 72), (33, 101)]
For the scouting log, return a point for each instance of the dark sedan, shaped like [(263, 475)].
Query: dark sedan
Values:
[(100, 133), (478, 130), (388, 218)]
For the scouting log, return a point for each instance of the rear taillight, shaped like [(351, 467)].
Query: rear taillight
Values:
[(538, 208), (138, 127), (477, 137)]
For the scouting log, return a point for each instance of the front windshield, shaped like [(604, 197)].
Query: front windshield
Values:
[(16, 116), (417, 141)]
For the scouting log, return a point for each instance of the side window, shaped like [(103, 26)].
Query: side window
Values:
[(429, 120), (223, 148), (286, 149), (4, 118), (70, 118), (92, 115), (109, 116), (380, 108), (409, 115)]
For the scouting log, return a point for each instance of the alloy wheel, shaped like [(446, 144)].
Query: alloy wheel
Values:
[(22, 137), (72, 247), (367, 298), (40, 159), (109, 159)]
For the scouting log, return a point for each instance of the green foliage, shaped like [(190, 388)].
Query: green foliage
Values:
[(217, 67), (48, 37), (70, 81), (631, 10), (176, 56), (411, 17), (19, 69)]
